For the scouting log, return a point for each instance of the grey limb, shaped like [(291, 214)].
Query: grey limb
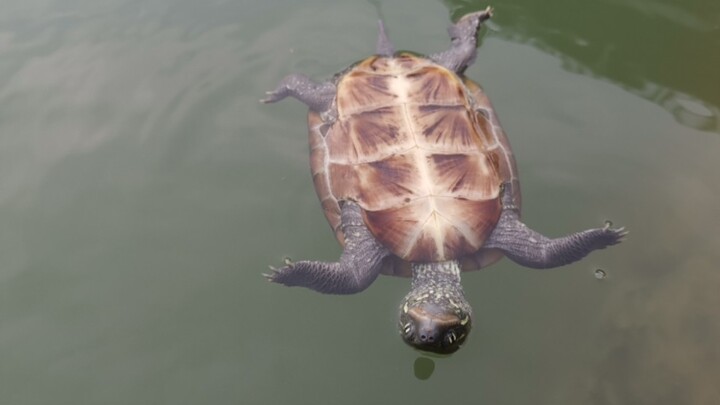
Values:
[(384, 46), (317, 96), (359, 264), (463, 48), (531, 249)]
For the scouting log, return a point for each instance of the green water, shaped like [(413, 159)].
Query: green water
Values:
[(143, 190)]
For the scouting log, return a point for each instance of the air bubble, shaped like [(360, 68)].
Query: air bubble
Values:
[(600, 274)]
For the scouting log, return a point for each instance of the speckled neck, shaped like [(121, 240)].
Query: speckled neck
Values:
[(435, 274), (437, 283)]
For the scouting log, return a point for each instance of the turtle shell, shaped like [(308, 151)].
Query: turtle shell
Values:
[(420, 149)]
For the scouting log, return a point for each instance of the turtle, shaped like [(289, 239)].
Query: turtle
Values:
[(417, 179)]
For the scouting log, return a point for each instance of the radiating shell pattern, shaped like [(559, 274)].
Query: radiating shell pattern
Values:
[(420, 150)]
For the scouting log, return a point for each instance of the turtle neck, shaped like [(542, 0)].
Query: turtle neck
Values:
[(437, 283)]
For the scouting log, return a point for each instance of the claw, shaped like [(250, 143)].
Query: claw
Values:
[(267, 100), (270, 276), (618, 234), (482, 15), (276, 274), (273, 97)]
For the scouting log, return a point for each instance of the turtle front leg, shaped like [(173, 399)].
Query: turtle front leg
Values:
[(317, 96), (359, 264), (463, 34), (532, 249)]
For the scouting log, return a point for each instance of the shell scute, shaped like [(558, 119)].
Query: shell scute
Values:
[(434, 84), (447, 129), (463, 176), (368, 135), (485, 127), (379, 184), (359, 90), (344, 182), (388, 182)]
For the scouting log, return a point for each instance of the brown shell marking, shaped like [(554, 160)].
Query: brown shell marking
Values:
[(409, 148), (421, 232)]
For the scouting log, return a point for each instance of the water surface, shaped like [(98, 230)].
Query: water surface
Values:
[(143, 190)]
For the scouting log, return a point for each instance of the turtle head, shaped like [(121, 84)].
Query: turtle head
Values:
[(434, 316), (434, 328)]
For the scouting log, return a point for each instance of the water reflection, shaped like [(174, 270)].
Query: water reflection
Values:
[(672, 61), (423, 368)]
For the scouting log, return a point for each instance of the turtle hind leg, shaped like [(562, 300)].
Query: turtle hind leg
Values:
[(463, 34), (317, 96), (359, 264), (532, 249)]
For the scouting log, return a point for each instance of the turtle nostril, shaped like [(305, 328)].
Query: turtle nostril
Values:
[(428, 337)]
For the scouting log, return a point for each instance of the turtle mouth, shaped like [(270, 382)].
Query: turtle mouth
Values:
[(432, 328)]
